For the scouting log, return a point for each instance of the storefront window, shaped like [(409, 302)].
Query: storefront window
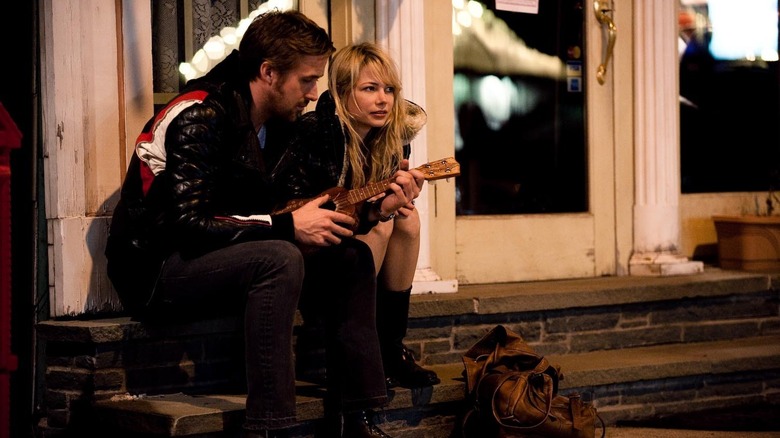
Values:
[(729, 95)]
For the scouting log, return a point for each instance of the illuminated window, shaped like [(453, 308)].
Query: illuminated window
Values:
[(191, 36), (743, 29)]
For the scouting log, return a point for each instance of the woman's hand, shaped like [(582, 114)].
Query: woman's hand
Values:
[(419, 178), (402, 193)]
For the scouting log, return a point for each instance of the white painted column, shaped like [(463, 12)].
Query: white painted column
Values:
[(400, 29), (657, 146)]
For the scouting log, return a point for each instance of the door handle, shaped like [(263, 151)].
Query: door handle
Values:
[(602, 9)]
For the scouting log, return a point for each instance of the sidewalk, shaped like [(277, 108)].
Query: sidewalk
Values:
[(756, 421), (638, 432)]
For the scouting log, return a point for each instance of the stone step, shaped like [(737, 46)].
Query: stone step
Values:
[(650, 381), (629, 325)]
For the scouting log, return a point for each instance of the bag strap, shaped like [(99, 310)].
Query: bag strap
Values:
[(464, 423), (603, 425), (499, 420)]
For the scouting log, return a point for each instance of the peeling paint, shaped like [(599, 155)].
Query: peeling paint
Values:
[(60, 131)]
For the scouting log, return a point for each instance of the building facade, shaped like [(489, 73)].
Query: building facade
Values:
[(97, 92)]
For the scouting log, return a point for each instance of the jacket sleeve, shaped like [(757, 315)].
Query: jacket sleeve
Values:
[(200, 171)]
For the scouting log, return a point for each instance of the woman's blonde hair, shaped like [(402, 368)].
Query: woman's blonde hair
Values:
[(383, 148)]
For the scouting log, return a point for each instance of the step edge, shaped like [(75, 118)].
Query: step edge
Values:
[(452, 388)]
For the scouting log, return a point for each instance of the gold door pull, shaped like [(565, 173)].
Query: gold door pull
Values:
[(601, 10)]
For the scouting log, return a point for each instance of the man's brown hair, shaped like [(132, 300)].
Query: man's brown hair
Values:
[(281, 38)]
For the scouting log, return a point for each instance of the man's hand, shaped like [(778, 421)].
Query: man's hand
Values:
[(319, 226)]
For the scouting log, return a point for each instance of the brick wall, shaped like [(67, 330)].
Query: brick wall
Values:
[(100, 359), (444, 339)]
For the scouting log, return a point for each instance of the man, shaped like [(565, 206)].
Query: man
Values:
[(192, 235)]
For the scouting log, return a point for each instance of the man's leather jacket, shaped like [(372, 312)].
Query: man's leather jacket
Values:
[(196, 182)]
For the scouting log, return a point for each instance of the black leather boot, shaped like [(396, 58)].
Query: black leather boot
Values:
[(361, 425), (392, 318)]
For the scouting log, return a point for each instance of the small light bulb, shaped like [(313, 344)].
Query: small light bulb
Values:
[(200, 61)]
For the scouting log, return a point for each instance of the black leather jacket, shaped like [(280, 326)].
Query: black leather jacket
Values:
[(211, 188), (314, 159)]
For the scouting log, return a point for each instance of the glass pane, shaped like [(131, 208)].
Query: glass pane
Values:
[(519, 105), (171, 31), (729, 96)]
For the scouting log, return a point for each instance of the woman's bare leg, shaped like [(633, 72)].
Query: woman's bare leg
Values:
[(402, 250)]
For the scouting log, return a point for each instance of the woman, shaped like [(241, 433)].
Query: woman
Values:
[(360, 134)]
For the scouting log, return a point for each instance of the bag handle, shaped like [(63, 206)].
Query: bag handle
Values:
[(499, 346)]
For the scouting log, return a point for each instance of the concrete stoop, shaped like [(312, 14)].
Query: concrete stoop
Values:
[(638, 347), (728, 373)]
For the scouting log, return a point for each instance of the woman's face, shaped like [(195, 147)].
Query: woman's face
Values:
[(370, 102)]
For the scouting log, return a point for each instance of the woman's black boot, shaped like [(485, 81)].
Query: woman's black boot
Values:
[(392, 318), (361, 425)]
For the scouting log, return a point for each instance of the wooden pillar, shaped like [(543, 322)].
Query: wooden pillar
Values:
[(657, 144)]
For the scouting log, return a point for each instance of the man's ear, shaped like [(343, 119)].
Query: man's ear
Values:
[(267, 72)]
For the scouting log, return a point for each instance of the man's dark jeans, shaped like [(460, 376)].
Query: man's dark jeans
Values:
[(340, 290), (265, 279)]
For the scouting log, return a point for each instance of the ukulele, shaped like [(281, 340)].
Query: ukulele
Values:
[(347, 201)]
